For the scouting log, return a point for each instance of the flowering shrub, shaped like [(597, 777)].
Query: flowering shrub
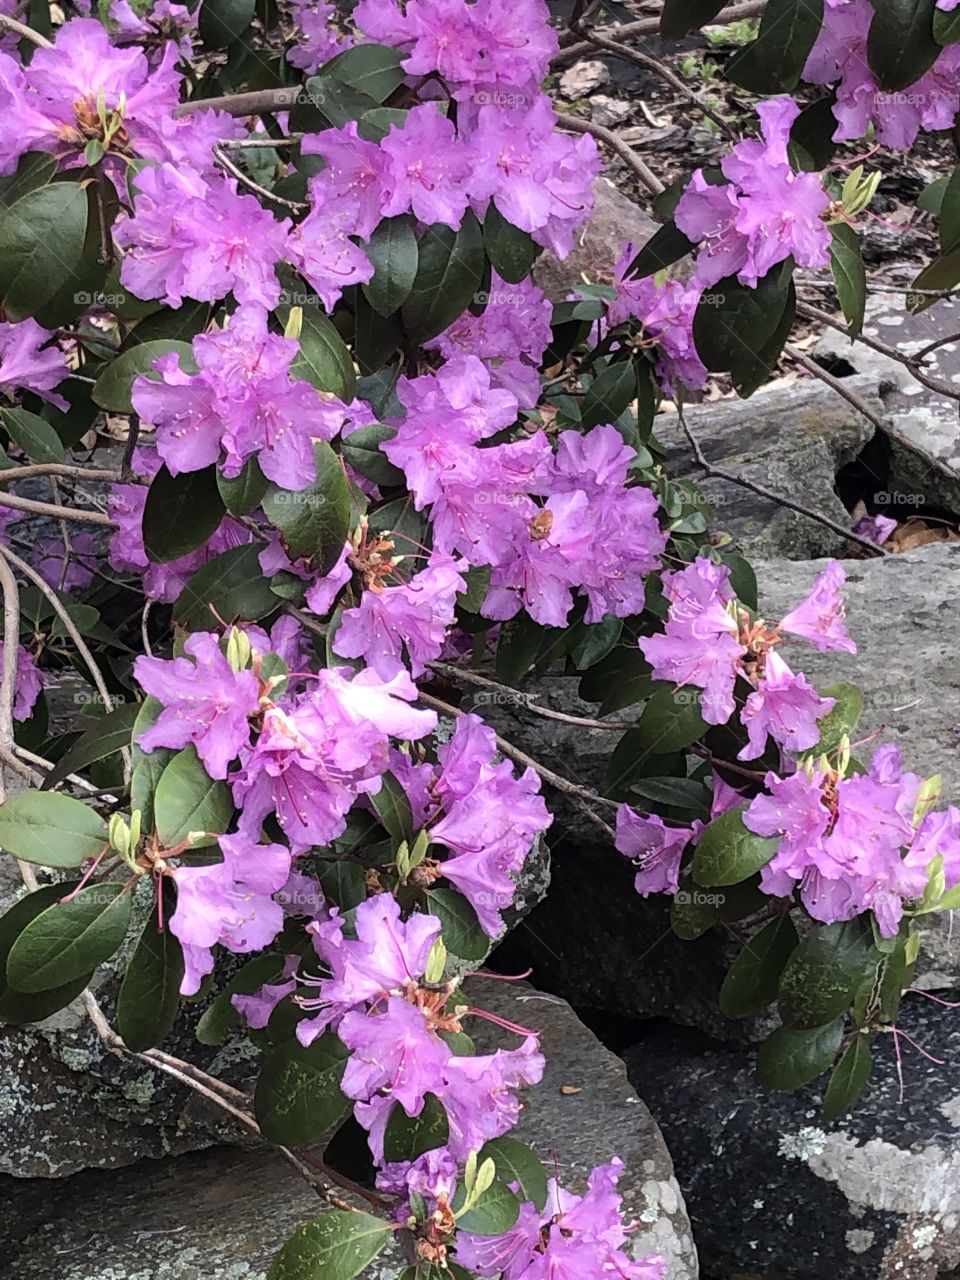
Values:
[(363, 454)]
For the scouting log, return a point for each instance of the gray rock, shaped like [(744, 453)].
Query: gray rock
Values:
[(615, 219), (790, 440), (607, 111), (775, 1191), (922, 426), (224, 1213), (900, 612)]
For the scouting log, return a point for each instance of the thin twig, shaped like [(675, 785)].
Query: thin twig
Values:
[(244, 144), (884, 349), (71, 629), (10, 475), (617, 145), (64, 533), (464, 675), (58, 513), (130, 446), (26, 32), (226, 163), (570, 49), (109, 793), (720, 474), (243, 104), (559, 783)]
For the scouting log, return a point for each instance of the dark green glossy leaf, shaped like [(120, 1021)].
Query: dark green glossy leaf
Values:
[(393, 808), (223, 22), (231, 587), (41, 239), (449, 274), (150, 991), (900, 43), (848, 1078), (313, 522), (788, 30), (16, 1007), (790, 1059), (36, 438), (394, 253), (849, 274), (728, 853), (298, 1096), (495, 1212), (667, 245), (516, 1162), (407, 1137), (512, 252), (678, 17), (69, 939), (337, 1246), (752, 982), (113, 387), (822, 974), (181, 513), (188, 800), (111, 733), (243, 493), (671, 719), (462, 932), (324, 360)]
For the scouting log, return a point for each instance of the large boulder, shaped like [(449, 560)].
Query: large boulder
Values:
[(775, 1191), (900, 612), (921, 426), (792, 441), (224, 1213)]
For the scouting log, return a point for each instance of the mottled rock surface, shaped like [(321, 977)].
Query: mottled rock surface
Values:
[(223, 1213), (901, 611), (776, 1192), (790, 440), (615, 218), (923, 426)]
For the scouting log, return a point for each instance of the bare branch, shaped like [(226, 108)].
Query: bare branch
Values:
[(609, 139), (58, 513), (10, 475), (245, 180), (26, 32), (571, 48)]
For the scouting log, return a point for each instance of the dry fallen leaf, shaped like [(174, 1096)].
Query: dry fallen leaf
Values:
[(568, 1089)]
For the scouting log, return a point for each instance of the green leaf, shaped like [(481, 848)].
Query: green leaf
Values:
[(790, 1059), (243, 493), (111, 733), (728, 853), (150, 991), (449, 274), (679, 17), (223, 22), (298, 1094), (495, 1211), (363, 452), (15, 1006), (811, 135), (848, 1078), (337, 1246), (407, 1137), (36, 438), (820, 977), (188, 799), (671, 719), (849, 274), (840, 722), (393, 808), (734, 323), (231, 586), (900, 43), (594, 641), (950, 213), (372, 69), (898, 974), (517, 648), (516, 1162), (50, 829), (667, 245), (512, 252), (677, 793), (313, 522), (946, 26), (41, 241), (323, 360), (394, 253), (692, 913), (181, 513), (788, 31), (751, 985), (608, 395), (34, 170), (113, 387), (942, 273), (69, 939), (462, 932)]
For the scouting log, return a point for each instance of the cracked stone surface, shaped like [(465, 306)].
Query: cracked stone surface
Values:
[(223, 1213), (775, 1191), (923, 427)]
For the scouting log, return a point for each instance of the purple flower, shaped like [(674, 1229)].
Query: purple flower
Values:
[(229, 903), (700, 644), (257, 1009), (571, 1238), (241, 402), (655, 849), (877, 528), (820, 618), (198, 238), (319, 751), (319, 40), (29, 683), (409, 619), (50, 554), (426, 168), (395, 1055), (489, 820), (31, 360), (205, 702), (786, 707)]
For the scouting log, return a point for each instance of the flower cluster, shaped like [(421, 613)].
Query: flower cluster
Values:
[(763, 214), (394, 1025), (839, 58), (710, 641)]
